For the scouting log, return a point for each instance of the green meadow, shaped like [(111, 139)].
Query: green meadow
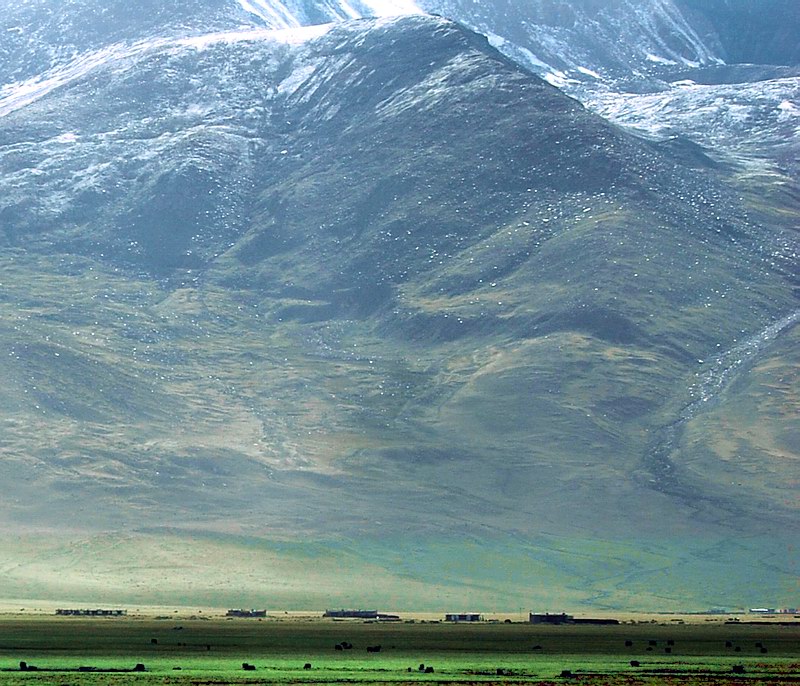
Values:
[(197, 651)]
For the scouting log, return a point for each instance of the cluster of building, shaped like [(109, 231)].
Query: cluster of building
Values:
[(533, 618), (351, 614), (246, 613), (374, 615), (92, 613), (562, 618), (463, 617), (459, 617), (361, 614)]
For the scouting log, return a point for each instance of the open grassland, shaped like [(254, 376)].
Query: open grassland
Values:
[(424, 572), (195, 651)]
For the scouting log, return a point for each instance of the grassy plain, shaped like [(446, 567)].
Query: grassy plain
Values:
[(184, 651)]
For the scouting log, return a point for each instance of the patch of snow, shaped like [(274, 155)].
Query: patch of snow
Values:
[(298, 76), (495, 41), (286, 14), (659, 60), (500, 43), (666, 14), (291, 36), (589, 72), (558, 79), (389, 8), (66, 138), (534, 60), (209, 39), (348, 10), (274, 13), (14, 96), (745, 118), (197, 111)]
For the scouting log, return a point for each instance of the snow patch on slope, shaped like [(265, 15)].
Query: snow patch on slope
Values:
[(664, 12), (14, 96), (292, 36), (659, 60), (389, 8), (504, 45), (748, 118), (291, 13), (589, 72), (559, 79), (272, 13), (788, 108)]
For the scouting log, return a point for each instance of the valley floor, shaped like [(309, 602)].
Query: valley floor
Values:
[(177, 650)]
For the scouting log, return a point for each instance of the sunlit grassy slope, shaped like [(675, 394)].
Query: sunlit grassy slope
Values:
[(502, 574)]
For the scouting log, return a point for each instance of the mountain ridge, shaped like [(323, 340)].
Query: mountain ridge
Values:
[(580, 38)]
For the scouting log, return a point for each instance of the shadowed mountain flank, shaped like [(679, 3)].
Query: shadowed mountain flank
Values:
[(747, 32)]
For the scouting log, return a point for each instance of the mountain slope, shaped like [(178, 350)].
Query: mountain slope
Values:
[(582, 40), (318, 285), (40, 35), (746, 32)]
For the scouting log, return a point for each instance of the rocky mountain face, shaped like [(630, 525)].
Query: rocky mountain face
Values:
[(39, 35), (589, 40), (372, 298), (722, 73), (648, 52), (748, 32), (634, 40)]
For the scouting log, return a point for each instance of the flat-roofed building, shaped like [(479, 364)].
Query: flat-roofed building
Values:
[(463, 617)]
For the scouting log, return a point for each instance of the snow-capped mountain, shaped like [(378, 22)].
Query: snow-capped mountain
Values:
[(39, 35), (648, 51), (751, 120), (576, 39), (364, 295), (582, 40)]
